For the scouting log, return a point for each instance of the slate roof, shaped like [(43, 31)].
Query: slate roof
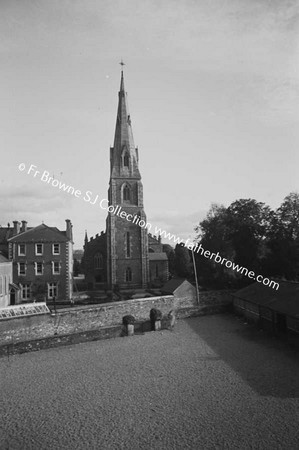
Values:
[(3, 259), (172, 285), (5, 233), (152, 256), (41, 233), (285, 300)]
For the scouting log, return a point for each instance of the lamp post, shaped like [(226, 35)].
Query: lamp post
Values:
[(195, 275)]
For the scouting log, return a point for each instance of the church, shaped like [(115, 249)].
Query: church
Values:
[(126, 255)]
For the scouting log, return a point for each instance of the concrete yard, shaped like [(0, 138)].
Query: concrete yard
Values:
[(212, 383)]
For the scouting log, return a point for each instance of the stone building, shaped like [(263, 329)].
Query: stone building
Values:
[(7, 290), (42, 261), (126, 255)]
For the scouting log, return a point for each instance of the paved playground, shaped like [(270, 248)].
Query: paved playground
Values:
[(212, 383)]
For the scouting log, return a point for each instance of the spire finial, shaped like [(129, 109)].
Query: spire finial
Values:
[(122, 64), (122, 86)]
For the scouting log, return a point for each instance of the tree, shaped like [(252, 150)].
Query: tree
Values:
[(76, 267), (239, 234), (168, 249), (248, 222), (283, 240), (183, 265), (213, 235)]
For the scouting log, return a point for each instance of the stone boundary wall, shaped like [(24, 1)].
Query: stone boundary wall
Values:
[(92, 317)]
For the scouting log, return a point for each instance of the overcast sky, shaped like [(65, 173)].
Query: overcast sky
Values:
[(213, 89)]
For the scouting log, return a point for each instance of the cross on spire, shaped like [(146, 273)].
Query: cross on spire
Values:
[(122, 64)]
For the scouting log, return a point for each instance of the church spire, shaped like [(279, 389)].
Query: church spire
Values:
[(124, 155)]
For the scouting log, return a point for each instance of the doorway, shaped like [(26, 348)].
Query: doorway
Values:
[(12, 297)]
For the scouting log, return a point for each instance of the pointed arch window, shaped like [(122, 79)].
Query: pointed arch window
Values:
[(126, 193), (126, 160), (128, 274), (98, 261), (128, 247)]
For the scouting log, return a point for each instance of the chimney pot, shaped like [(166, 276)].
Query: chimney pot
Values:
[(69, 226), (24, 226), (16, 227)]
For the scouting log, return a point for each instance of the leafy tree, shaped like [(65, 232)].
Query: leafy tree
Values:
[(239, 234), (248, 222), (183, 264), (213, 235), (168, 249), (283, 240), (76, 267)]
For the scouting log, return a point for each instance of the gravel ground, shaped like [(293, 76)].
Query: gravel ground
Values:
[(212, 383)]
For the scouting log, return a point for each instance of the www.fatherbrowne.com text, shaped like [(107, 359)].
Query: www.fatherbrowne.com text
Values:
[(118, 211)]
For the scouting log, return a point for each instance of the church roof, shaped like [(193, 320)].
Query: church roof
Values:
[(172, 285), (157, 256)]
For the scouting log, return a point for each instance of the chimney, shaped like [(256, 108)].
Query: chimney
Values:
[(24, 226), (16, 227), (69, 232)]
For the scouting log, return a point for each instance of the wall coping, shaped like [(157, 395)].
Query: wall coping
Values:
[(110, 304)]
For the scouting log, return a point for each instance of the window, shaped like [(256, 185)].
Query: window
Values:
[(21, 268), (56, 249), (52, 290), (157, 271), (22, 249), (56, 267), (128, 248), (126, 160), (38, 268), (1, 284), (128, 274), (38, 249), (126, 193), (98, 261), (25, 291)]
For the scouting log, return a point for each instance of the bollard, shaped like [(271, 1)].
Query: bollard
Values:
[(157, 325), (130, 330)]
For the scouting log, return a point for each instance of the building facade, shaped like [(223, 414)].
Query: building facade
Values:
[(42, 260), (7, 291), (120, 256)]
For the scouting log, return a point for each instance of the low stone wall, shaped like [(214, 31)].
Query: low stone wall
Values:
[(93, 317)]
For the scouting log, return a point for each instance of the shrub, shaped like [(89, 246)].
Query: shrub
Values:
[(128, 320), (155, 314)]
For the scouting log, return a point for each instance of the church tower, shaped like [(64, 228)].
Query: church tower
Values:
[(127, 242)]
